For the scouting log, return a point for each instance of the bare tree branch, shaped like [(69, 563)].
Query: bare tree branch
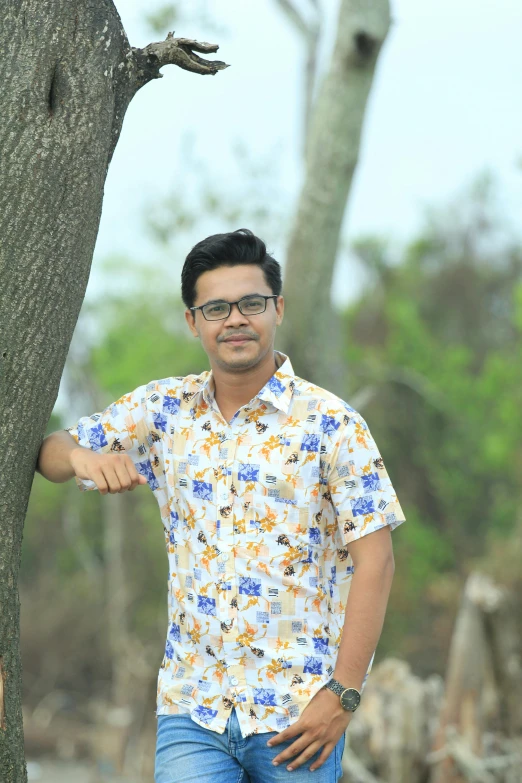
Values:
[(295, 17), (174, 51), (311, 33), (311, 76), (355, 769)]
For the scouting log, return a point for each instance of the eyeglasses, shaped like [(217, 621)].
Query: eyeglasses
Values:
[(248, 305)]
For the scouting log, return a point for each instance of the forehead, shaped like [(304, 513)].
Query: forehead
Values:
[(231, 283)]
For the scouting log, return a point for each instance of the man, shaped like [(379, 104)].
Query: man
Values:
[(269, 488)]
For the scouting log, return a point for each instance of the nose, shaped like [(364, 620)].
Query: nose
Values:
[(235, 317)]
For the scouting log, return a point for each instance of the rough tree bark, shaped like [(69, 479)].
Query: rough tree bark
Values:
[(68, 76), (309, 333)]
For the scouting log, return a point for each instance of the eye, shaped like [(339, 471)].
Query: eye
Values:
[(217, 308), (253, 304)]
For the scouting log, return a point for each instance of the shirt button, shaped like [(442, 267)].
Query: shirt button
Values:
[(223, 557), (224, 496), (234, 680)]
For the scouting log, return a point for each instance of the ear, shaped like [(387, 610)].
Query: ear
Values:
[(280, 308), (190, 318)]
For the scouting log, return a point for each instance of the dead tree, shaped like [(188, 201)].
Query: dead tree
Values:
[(480, 728)]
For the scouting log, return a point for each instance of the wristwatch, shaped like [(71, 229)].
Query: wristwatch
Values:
[(350, 697)]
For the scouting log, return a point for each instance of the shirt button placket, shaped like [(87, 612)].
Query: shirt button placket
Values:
[(227, 611)]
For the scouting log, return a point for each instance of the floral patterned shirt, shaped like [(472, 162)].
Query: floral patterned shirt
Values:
[(257, 514)]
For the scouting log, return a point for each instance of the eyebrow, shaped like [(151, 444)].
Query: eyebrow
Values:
[(224, 301)]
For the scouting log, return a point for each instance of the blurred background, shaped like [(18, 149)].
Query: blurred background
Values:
[(427, 289)]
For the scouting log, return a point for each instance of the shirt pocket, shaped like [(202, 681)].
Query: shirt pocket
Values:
[(296, 558), (280, 541), (290, 549)]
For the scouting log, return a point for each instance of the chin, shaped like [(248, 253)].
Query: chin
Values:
[(240, 362), (237, 359)]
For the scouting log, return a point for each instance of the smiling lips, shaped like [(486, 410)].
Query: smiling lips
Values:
[(238, 340)]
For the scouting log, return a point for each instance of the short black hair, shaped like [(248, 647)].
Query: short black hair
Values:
[(235, 247)]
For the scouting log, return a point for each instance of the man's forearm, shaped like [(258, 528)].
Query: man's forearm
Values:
[(363, 621), (53, 458)]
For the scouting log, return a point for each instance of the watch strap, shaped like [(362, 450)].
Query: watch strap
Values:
[(339, 689), (335, 686)]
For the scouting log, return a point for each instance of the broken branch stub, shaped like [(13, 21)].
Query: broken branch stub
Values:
[(174, 51)]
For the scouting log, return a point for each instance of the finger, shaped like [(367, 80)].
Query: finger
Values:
[(111, 477), (322, 758), (287, 734), (135, 477), (288, 753), (99, 479), (128, 476), (310, 751), (140, 479)]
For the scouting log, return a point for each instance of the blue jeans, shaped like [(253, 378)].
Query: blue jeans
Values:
[(186, 752)]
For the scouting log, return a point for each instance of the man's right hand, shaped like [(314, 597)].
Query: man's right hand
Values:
[(110, 472)]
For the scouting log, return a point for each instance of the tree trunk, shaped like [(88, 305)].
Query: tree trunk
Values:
[(309, 333), (468, 661), (68, 75)]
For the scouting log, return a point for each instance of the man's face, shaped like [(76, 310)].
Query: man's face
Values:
[(229, 284)]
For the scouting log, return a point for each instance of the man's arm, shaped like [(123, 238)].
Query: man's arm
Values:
[(61, 459), (54, 462), (367, 511), (370, 588), (108, 451)]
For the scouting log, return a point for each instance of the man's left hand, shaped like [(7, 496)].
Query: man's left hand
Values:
[(321, 724)]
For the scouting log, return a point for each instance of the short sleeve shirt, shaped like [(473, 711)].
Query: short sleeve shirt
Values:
[(257, 514)]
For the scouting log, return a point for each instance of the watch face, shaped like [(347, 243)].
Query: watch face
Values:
[(350, 699)]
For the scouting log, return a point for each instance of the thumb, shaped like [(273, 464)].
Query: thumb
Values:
[(142, 479)]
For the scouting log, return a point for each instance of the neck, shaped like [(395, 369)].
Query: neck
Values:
[(232, 390)]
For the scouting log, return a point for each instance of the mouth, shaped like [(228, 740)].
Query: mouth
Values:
[(238, 341)]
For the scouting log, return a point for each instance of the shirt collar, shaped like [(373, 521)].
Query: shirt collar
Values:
[(278, 390)]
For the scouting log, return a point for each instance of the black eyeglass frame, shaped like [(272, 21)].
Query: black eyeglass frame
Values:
[(249, 296)]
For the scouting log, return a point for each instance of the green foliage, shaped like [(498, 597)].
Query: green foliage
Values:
[(165, 16), (426, 551), (440, 335), (162, 18), (139, 348)]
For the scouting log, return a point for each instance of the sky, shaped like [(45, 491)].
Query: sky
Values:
[(445, 105)]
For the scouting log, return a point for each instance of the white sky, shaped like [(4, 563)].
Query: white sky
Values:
[(445, 105)]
